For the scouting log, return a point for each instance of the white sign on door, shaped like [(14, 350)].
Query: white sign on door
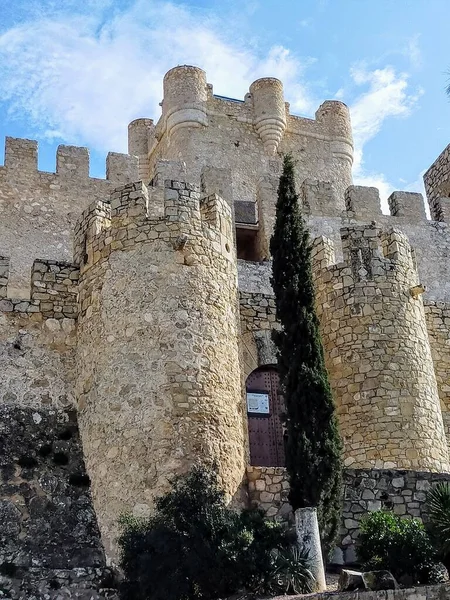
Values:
[(258, 403)]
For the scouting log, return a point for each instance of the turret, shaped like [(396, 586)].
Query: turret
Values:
[(269, 108), (185, 95), (378, 354), (335, 117), (140, 133), (158, 365)]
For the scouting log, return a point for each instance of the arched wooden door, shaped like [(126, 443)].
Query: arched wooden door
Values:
[(264, 408)]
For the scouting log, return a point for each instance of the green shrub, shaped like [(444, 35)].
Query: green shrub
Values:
[(401, 546), (195, 547), (438, 501)]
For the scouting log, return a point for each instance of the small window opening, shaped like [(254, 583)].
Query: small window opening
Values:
[(247, 246)]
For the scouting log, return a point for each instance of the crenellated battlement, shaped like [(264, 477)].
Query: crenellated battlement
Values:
[(371, 256), (72, 162), (361, 203), (53, 290), (133, 215)]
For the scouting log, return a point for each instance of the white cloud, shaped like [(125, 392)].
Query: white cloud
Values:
[(79, 72), (82, 77), (388, 95), (413, 52)]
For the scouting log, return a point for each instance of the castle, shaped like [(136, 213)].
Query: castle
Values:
[(136, 316)]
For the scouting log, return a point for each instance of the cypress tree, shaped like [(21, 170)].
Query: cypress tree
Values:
[(313, 444)]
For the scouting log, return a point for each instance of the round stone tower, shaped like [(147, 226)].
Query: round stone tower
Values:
[(158, 372), (185, 96), (269, 111), (378, 353)]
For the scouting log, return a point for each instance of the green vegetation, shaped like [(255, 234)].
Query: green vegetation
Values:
[(438, 501), (313, 447), (195, 547), (399, 545)]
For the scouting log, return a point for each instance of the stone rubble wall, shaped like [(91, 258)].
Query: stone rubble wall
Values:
[(53, 290), (48, 520), (46, 511), (159, 382), (403, 492), (59, 584), (378, 354), (268, 488), (38, 209), (37, 361), (257, 313)]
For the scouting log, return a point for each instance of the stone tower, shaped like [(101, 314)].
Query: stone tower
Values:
[(158, 374), (379, 358), (245, 139)]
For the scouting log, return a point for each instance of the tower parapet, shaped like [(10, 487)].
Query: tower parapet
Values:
[(158, 364), (378, 354)]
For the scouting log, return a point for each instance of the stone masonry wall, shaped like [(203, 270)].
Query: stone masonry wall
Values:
[(268, 489), (403, 492), (257, 312), (49, 538), (37, 340), (438, 325), (84, 583), (378, 355), (159, 382), (38, 209)]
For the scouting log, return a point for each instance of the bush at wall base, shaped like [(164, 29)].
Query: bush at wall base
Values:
[(399, 545), (196, 547), (438, 502)]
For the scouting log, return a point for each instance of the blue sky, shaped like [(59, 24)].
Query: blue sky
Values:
[(77, 72)]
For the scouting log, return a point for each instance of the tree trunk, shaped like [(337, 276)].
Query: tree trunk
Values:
[(308, 538)]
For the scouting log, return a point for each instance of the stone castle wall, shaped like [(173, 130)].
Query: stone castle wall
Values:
[(403, 492), (49, 538), (257, 312), (38, 210), (159, 382), (37, 339)]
